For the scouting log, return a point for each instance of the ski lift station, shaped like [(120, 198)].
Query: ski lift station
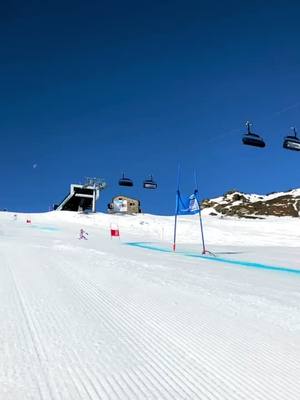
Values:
[(82, 198)]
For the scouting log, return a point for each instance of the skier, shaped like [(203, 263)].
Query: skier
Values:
[(82, 234)]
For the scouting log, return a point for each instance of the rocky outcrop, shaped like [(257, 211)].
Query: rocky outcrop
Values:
[(235, 203)]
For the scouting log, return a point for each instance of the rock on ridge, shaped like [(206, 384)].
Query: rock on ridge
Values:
[(239, 204)]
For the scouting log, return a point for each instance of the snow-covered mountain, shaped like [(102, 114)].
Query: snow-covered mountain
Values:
[(239, 204)]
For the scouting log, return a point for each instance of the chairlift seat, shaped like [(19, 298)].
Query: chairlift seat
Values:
[(252, 139), (125, 182), (149, 184), (291, 143)]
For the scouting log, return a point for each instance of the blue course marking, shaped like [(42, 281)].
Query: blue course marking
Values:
[(246, 264), (46, 228), (148, 246)]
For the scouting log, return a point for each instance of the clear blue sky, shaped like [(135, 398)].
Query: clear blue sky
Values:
[(97, 88)]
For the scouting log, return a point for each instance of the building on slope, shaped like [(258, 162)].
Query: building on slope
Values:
[(124, 205)]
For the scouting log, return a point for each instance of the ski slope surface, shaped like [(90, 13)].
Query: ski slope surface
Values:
[(127, 318)]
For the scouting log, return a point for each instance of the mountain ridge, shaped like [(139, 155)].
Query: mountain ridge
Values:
[(239, 204)]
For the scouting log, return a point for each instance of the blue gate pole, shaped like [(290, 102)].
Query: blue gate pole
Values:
[(176, 209), (200, 217), (202, 234)]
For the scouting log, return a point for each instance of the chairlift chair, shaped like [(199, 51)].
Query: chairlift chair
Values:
[(125, 181), (252, 139), (149, 183), (292, 142)]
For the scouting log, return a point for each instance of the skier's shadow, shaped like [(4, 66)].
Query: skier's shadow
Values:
[(228, 252)]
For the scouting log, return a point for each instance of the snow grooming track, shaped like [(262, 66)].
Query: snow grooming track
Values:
[(29, 345), (75, 381), (166, 355), (247, 264), (149, 365)]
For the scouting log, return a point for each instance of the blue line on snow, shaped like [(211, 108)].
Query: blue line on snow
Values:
[(247, 264), (45, 228), (148, 246)]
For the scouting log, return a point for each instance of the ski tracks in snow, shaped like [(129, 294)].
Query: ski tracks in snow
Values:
[(78, 330)]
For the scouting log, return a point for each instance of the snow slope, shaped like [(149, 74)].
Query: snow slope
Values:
[(99, 319)]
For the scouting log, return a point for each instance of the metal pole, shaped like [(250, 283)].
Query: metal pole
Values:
[(176, 210), (202, 234), (200, 218), (175, 224), (94, 199)]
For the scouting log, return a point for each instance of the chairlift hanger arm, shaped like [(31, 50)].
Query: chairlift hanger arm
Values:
[(248, 124), (294, 130)]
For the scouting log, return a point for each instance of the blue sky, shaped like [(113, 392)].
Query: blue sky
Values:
[(97, 88)]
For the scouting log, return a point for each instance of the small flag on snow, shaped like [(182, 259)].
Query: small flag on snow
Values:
[(114, 231)]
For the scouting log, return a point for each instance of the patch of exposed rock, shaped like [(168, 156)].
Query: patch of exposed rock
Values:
[(235, 203)]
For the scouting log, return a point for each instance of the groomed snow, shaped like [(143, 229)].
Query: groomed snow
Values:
[(99, 319)]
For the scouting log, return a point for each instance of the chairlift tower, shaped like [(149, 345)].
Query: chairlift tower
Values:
[(96, 185)]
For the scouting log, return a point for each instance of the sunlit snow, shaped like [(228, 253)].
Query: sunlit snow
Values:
[(100, 319)]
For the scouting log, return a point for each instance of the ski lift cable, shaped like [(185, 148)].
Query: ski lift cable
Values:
[(269, 117)]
